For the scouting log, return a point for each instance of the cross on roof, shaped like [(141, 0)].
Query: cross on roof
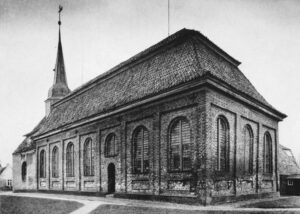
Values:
[(60, 8)]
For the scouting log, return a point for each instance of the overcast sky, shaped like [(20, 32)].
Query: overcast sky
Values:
[(99, 34)]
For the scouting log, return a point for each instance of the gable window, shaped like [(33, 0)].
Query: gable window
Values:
[(110, 145), (88, 158), (24, 171), (222, 145), (268, 153), (43, 164), (55, 162), (140, 149), (70, 160), (248, 150), (180, 145)]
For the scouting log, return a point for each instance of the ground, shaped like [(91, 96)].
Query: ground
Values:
[(57, 203), (16, 204)]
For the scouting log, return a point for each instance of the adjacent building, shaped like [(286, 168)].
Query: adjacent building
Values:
[(178, 121), (6, 177), (289, 172)]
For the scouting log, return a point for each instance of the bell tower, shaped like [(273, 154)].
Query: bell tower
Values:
[(60, 88)]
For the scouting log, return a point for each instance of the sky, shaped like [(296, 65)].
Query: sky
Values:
[(99, 34)]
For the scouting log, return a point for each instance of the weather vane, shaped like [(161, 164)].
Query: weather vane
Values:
[(60, 8)]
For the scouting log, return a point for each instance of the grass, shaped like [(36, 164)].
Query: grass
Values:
[(20, 205), (120, 209), (291, 202)]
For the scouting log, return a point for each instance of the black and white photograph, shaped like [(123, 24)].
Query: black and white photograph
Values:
[(149, 106)]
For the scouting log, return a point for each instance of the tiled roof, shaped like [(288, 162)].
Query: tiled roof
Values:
[(26, 145), (287, 164), (2, 169), (181, 57)]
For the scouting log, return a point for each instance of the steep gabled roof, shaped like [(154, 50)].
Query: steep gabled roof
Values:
[(180, 58)]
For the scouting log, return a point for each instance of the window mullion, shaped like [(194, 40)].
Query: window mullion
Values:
[(245, 143), (142, 152), (180, 145), (218, 147), (91, 158)]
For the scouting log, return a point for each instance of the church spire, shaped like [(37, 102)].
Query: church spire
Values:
[(60, 73), (60, 87)]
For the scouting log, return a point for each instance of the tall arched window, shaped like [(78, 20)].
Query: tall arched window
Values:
[(268, 153), (222, 144), (24, 171), (180, 145), (88, 158), (70, 160), (140, 150), (248, 150), (43, 164), (55, 162), (110, 145)]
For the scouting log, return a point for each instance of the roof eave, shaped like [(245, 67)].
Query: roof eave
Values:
[(278, 115)]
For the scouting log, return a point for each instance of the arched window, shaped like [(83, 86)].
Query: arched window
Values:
[(70, 160), (110, 145), (222, 144), (248, 150), (88, 158), (268, 153), (140, 150), (55, 162), (43, 164), (24, 171), (180, 145)]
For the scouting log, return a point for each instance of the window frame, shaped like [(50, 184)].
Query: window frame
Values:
[(55, 162), (268, 170), (290, 182), (108, 140), (24, 171), (220, 119), (134, 157), (42, 164), (248, 128), (88, 168), (70, 160), (169, 150)]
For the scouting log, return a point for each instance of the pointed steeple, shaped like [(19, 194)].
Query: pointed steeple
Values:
[(60, 87)]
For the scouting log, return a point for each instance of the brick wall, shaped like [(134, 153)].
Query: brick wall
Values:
[(236, 182), (201, 107)]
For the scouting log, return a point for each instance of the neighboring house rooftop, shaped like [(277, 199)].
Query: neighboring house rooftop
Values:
[(287, 163)]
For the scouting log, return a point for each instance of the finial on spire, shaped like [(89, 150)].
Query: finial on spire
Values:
[(60, 8)]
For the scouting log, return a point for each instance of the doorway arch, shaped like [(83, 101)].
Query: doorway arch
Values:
[(111, 178)]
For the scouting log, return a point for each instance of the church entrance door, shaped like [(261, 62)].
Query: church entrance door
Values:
[(111, 183)]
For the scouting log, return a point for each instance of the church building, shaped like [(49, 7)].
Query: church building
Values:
[(178, 122)]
